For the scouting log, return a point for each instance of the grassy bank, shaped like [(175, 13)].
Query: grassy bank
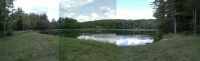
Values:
[(41, 47), (172, 48), (29, 47), (81, 50)]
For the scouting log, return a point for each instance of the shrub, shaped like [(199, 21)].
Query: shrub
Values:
[(158, 36)]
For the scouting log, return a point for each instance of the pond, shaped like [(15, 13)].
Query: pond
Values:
[(120, 40), (118, 37)]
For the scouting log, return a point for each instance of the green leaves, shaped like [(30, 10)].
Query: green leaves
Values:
[(168, 12), (68, 23), (5, 5)]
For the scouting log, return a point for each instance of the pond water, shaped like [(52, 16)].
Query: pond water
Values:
[(120, 40), (118, 37)]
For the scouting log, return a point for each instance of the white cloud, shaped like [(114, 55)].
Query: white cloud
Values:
[(69, 6), (118, 14), (66, 4), (69, 14), (92, 17), (110, 13), (105, 9), (134, 14), (72, 8), (50, 7), (83, 18)]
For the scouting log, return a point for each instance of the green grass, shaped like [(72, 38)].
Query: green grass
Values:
[(175, 48), (41, 47), (29, 47), (81, 50)]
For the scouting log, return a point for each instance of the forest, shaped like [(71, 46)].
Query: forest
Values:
[(177, 16), (69, 23), (17, 20)]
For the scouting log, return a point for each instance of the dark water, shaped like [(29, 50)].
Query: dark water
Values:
[(118, 37)]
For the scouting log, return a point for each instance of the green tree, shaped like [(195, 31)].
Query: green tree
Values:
[(43, 22), (68, 23), (19, 19), (163, 23), (5, 5), (54, 24), (177, 15), (33, 20)]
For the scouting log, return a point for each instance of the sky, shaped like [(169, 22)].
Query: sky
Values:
[(50, 7), (134, 9), (89, 10)]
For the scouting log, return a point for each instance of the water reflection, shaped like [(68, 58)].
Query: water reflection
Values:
[(120, 40)]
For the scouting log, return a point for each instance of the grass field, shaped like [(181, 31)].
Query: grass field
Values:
[(29, 47), (41, 47), (173, 48)]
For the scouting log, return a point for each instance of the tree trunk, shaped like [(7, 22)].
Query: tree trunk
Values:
[(4, 21), (195, 20), (175, 27)]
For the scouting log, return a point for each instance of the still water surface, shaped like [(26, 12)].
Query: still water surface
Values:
[(123, 37), (120, 40)]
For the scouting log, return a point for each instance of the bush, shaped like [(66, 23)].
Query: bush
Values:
[(158, 36), (9, 33), (6, 33)]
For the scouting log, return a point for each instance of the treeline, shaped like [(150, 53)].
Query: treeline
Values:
[(5, 16), (69, 23), (24, 21), (177, 16), (17, 20), (120, 24)]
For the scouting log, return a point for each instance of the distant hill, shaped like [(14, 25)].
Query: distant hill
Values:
[(120, 24)]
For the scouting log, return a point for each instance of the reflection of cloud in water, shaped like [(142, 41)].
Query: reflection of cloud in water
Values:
[(120, 40)]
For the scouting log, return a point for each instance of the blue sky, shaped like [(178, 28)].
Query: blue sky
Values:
[(89, 10), (134, 9), (134, 4)]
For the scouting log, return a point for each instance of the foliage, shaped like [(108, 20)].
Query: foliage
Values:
[(43, 22), (5, 17), (24, 21), (176, 15), (119, 24), (18, 19), (15, 19), (54, 24), (67, 23)]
